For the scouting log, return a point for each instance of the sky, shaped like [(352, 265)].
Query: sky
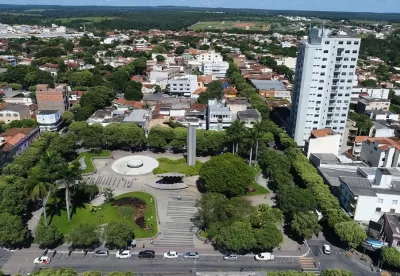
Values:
[(392, 6)]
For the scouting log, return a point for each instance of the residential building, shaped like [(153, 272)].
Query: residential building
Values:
[(8, 60), (124, 105), (381, 152), (194, 116), (140, 117), (236, 105), (219, 117), (14, 141), (368, 198), (161, 76), (183, 86), (49, 120), (14, 112), (368, 103), (217, 69), (140, 44), (249, 117), (325, 67), (376, 93), (209, 56), (323, 141), (52, 98), (349, 135), (391, 229)]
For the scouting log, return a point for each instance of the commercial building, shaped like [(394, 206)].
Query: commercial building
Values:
[(219, 116), (140, 117), (49, 120), (323, 141), (325, 67), (52, 98), (183, 86)]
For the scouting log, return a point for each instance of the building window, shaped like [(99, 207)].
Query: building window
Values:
[(326, 51), (394, 202), (356, 42), (380, 200), (351, 66), (392, 210), (378, 209), (324, 59), (347, 51), (354, 52), (326, 42), (340, 42)]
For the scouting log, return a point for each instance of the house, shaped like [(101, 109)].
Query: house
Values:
[(140, 117), (230, 92), (49, 120), (14, 141), (249, 117), (14, 112), (271, 88), (219, 116), (323, 141), (8, 60), (50, 68), (124, 105), (237, 104)]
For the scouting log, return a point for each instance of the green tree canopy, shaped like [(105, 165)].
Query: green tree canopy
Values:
[(118, 234), (133, 91), (305, 224), (391, 256), (49, 236), (350, 232), (236, 237), (335, 272), (84, 236), (13, 232), (227, 174)]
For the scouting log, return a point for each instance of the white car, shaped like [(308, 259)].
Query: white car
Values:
[(124, 254), (327, 249), (264, 257), (42, 260), (171, 255)]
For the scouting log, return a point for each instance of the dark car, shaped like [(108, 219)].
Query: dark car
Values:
[(150, 254)]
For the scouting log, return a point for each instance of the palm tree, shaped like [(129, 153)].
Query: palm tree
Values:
[(41, 191), (253, 135), (70, 173), (236, 133)]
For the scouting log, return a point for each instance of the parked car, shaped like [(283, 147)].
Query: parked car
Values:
[(230, 257), (171, 255), (327, 249), (149, 254), (264, 257), (101, 253), (42, 260), (123, 254), (191, 255)]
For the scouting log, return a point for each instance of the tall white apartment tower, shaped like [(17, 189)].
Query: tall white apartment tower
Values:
[(325, 69)]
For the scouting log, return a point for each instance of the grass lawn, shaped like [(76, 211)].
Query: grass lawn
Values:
[(178, 166), (227, 25), (105, 213), (259, 190), (88, 159)]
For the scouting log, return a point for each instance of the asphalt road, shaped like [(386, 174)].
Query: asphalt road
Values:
[(179, 266)]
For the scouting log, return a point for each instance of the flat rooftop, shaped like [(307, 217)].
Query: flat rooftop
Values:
[(268, 84), (139, 115), (249, 114)]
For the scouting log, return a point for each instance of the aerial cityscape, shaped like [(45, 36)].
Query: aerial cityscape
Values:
[(212, 140)]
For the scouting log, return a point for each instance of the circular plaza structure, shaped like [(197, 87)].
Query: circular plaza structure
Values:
[(134, 165)]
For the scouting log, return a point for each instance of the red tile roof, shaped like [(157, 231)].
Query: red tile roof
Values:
[(322, 132)]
